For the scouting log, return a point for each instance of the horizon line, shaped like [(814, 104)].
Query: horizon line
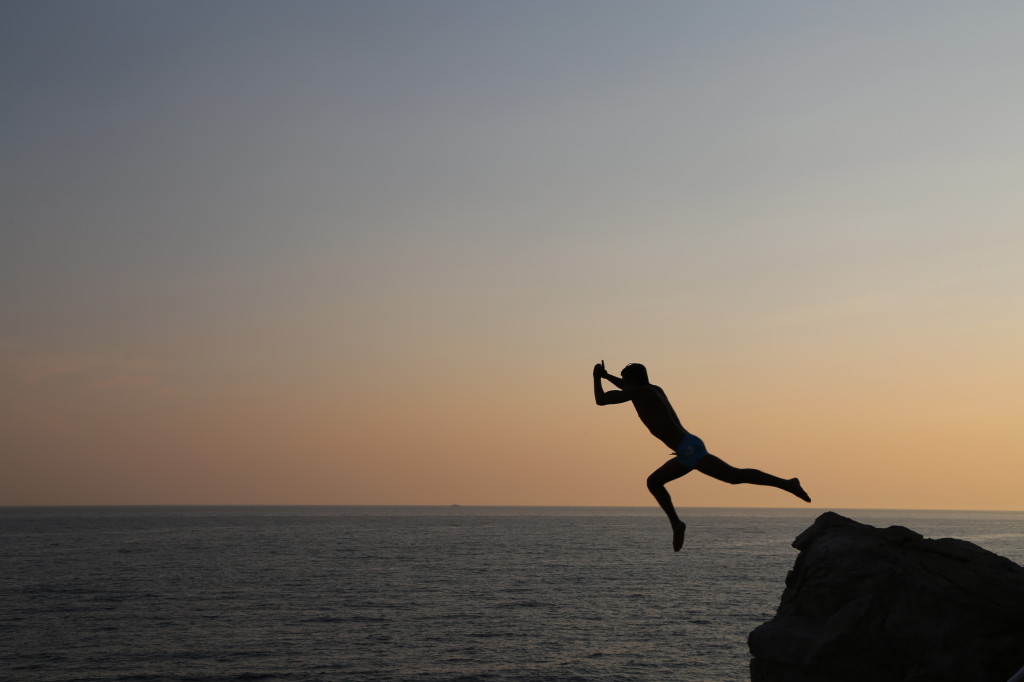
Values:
[(480, 506)]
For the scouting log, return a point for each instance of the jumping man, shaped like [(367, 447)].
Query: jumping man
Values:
[(656, 413)]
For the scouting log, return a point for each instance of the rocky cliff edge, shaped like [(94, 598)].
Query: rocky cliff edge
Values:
[(865, 603)]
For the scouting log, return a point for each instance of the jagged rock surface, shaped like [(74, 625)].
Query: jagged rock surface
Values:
[(864, 603)]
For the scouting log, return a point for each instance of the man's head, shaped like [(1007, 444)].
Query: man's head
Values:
[(635, 373)]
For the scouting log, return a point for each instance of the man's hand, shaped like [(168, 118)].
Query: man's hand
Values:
[(610, 397)]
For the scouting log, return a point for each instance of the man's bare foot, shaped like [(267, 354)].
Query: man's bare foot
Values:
[(797, 489), (678, 533)]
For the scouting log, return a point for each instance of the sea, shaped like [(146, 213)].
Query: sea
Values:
[(499, 594)]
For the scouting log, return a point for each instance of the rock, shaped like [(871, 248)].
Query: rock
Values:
[(871, 604)]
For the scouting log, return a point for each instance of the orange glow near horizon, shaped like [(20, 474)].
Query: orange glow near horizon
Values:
[(463, 438)]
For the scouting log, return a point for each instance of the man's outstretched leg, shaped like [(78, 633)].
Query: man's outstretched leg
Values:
[(669, 471), (716, 468)]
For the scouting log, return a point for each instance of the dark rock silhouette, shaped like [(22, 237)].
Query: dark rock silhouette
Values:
[(865, 603)]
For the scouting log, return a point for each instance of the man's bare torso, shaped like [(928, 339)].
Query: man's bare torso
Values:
[(655, 411)]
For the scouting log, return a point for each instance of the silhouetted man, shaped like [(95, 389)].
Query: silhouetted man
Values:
[(657, 414)]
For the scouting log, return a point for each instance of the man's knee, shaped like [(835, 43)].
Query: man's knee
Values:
[(654, 483)]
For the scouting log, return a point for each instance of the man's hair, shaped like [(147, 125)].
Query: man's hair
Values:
[(635, 373)]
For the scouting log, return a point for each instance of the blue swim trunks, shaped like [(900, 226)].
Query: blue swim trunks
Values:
[(691, 450)]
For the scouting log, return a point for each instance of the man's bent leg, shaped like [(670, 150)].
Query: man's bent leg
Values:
[(669, 471), (717, 468)]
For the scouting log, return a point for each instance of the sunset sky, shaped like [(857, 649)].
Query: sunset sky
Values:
[(369, 252)]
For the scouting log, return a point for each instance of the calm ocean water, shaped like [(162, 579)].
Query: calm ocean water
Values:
[(404, 593)]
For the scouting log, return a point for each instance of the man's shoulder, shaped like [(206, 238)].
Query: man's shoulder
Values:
[(649, 390)]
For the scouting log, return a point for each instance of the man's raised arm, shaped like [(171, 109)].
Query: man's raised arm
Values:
[(610, 397)]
